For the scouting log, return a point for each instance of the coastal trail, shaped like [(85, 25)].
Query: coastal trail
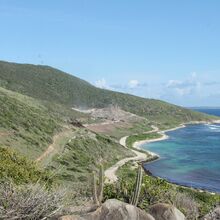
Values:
[(110, 173), (59, 141)]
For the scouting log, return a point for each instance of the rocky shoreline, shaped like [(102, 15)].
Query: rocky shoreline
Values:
[(153, 156), (137, 145)]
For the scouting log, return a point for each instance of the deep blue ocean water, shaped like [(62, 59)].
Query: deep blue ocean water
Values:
[(190, 157)]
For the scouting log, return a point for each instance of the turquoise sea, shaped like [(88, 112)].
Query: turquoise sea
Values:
[(190, 157)]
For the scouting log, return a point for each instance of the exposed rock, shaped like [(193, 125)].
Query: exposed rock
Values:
[(113, 209), (163, 211), (213, 215), (76, 123), (71, 217)]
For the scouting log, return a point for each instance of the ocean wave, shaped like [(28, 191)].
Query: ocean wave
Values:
[(214, 127)]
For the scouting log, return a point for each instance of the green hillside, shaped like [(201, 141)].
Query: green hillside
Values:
[(17, 168), (26, 125), (83, 155), (41, 140), (49, 84)]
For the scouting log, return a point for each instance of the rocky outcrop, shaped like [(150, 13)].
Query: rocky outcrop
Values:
[(213, 215), (71, 217), (163, 211), (113, 209)]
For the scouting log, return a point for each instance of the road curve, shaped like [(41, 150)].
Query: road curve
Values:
[(110, 173)]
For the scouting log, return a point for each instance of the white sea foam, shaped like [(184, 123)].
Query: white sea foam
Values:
[(215, 126)]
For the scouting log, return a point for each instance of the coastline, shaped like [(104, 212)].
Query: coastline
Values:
[(144, 156), (137, 144), (153, 156)]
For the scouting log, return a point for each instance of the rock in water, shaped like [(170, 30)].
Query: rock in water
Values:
[(163, 211)]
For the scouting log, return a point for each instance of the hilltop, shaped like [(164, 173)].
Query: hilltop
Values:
[(51, 85)]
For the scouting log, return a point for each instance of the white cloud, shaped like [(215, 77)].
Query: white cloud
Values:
[(133, 83), (132, 86), (185, 87), (189, 91), (173, 83), (184, 91), (101, 83)]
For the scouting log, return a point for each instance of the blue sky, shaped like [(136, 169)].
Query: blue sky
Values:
[(167, 50)]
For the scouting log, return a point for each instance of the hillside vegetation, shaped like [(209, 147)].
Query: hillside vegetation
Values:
[(26, 125), (193, 203), (49, 84), (84, 153), (37, 120), (16, 168)]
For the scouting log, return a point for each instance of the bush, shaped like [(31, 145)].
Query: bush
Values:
[(20, 170), (29, 202), (193, 203), (187, 204), (140, 137)]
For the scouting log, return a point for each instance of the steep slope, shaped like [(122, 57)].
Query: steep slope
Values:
[(17, 168), (84, 153), (29, 128), (49, 84), (26, 125)]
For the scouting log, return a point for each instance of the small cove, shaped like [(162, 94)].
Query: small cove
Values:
[(190, 157)]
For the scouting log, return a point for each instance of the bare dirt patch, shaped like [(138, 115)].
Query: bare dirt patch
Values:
[(4, 134), (112, 119)]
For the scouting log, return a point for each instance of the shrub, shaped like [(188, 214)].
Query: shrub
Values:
[(29, 202), (20, 170), (187, 204)]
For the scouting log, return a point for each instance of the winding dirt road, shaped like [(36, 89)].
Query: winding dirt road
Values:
[(63, 137), (110, 173), (58, 141)]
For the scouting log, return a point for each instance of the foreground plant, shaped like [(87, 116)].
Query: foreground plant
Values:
[(98, 190), (29, 202), (137, 190)]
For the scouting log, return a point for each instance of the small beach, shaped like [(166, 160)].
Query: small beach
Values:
[(188, 156), (164, 136), (138, 144)]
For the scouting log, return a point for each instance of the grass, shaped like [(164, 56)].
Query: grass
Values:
[(59, 142), (156, 190), (84, 153), (130, 129), (26, 125), (140, 137), (80, 157)]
